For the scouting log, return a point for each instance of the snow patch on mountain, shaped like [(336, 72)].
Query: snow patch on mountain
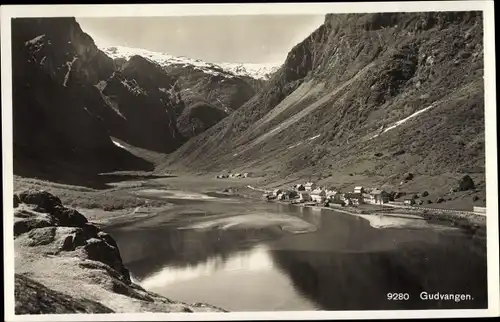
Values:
[(69, 64), (256, 71), (34, 40)]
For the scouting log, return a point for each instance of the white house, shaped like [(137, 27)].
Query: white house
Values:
[(368, 198), (276, 192), (359, 190), (409, 202), (332, 194), (310, 186), (318, 195)]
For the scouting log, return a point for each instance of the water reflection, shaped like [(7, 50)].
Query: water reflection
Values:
[(256, 259), (344, 264), (361, 281)]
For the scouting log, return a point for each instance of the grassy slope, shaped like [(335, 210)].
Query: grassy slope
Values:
[(82, 197)]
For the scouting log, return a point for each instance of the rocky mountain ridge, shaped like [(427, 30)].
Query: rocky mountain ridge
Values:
[(374, 95), (69, 98), (229, 70), (54, 129)]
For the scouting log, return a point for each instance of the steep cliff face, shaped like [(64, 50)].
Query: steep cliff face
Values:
[(220, 89), (63, 50), (142, 95), (70, 97), (372, 94), (52, 124)]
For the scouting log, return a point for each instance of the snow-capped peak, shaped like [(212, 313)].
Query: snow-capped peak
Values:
[(256, 71)]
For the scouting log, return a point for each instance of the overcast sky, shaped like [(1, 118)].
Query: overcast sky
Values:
[(238, 39)]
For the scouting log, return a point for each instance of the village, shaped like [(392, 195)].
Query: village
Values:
[(310, 194), (360, 199)]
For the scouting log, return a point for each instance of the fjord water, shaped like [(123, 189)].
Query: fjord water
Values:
[(245, 256)]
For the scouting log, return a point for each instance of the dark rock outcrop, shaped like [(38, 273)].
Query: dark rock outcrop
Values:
[(465, 183), (35, 298), (46, 217), (42, 200), (24, 225), (57, 133), (75, 249)]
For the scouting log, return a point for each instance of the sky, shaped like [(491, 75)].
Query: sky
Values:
[(216, 39)]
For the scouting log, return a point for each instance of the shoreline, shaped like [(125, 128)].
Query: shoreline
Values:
[(468, 220)]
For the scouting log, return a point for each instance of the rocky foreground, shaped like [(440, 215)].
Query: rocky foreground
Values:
[(65, 264)]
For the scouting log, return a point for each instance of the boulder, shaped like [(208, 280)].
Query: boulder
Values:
[(24, 225), (465, 183), (68, 217), (76, 237), (108, 239), (41, 236), (475, 198), (43, 200), (429, 201), (424, 194), (67, 244), (439, 200), (98, 250)]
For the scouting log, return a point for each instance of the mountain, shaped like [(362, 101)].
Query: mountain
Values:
[(140, 93), (70, 98), (372, 95), (54, 130), (224, 87), (254, 71)]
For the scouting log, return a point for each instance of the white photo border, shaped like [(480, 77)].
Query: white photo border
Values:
[(143, 10)]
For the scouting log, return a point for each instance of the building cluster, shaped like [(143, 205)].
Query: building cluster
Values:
[(233, 175), (310, 192)]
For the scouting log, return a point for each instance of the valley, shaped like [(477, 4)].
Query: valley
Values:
[(126, 166)]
